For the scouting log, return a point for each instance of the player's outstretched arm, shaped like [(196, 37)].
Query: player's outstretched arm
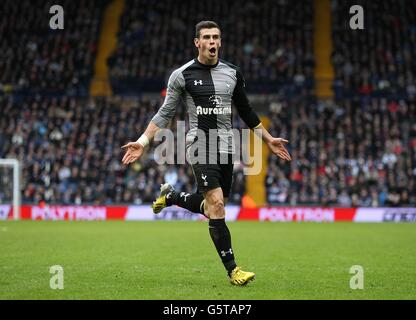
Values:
[(134, 150)]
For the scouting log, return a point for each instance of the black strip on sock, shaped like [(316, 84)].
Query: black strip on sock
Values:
[(221, 237)]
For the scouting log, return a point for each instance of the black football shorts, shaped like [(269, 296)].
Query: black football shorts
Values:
[(211, 176)]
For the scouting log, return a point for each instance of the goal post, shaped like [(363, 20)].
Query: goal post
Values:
[(16, 201)]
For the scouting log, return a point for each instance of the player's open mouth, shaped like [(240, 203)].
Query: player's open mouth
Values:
[(212, 51)]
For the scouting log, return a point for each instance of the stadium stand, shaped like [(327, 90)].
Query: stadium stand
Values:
[(64, 144), (379, 60), (37, 59), (346, 153), (157, 37), (357, 150)]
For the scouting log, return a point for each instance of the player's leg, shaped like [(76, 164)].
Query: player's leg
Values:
[(218, 230), (221, 236), (237, 276), (205, 206), (194, 202)]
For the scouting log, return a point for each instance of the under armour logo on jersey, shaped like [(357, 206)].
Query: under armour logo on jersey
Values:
[(196, 82), (204, 177), (184, 195), (224, 253)]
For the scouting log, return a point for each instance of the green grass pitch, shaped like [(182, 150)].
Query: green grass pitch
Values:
[(177, 260)]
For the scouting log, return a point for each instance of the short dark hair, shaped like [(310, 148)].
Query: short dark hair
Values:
[(205, 25)]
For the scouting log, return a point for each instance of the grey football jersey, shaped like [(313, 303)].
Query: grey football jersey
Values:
[(208, 91)]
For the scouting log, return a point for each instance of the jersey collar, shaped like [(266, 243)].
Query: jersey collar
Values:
[(208, 66)]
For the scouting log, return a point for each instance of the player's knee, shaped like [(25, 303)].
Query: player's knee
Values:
[(216, 208), (218, 204), (215, 203)]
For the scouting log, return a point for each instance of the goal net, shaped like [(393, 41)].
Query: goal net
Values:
[(10, 199)]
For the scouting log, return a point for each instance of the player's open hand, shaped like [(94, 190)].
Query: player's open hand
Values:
[(134, 151), (277, 146)]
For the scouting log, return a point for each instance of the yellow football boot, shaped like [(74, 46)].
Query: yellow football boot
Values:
[(239, 277), (160, 202)]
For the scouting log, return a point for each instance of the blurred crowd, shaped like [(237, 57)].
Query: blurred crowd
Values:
[(37, 59), (380, 59), (70, 150), (156, 37), (357, 150), (345, 153)]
